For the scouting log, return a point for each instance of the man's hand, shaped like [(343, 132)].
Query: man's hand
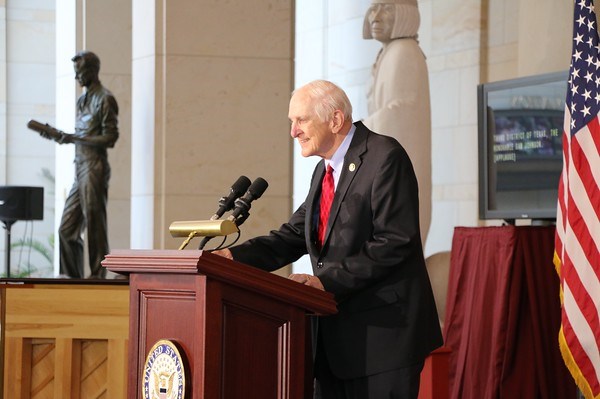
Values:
[(307, 279), (58, 136), (224, 253), (65, 138), (50, 133), (45, 134)]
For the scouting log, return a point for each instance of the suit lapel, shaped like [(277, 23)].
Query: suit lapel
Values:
[(352, 163)]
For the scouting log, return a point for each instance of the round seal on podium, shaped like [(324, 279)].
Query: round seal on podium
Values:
[(164, 374)]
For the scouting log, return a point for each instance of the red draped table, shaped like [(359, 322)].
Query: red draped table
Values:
[(503, 315)]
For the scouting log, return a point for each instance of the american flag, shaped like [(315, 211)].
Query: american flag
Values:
[(577, 244)]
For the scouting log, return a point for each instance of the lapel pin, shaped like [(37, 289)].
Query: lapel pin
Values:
[(351, 167)]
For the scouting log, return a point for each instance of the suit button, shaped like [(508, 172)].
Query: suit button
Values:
[(319, 265)]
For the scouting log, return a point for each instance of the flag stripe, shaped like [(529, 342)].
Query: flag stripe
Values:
[(595, 137), (576, 318), (587, 165), (581, 284), (582, 215), (584, 365), (562, 195)]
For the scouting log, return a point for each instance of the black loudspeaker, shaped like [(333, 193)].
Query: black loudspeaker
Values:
[(21, 203)]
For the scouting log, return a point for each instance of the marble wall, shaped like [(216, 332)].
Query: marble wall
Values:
[(211, 82), (27, 88)]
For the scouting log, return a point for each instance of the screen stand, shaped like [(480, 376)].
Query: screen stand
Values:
[(543, 222), (7, 225)]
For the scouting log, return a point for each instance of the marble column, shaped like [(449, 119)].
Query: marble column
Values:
[(211, 85)]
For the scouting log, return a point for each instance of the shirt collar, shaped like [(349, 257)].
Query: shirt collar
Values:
[(337, 160)]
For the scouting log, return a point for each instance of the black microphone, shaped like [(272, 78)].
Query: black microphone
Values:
[(242, 205), (226, 203)]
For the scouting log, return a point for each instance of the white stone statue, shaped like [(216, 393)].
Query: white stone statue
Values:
[(398, 97)]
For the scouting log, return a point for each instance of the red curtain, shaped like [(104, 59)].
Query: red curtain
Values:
[(503, 315)]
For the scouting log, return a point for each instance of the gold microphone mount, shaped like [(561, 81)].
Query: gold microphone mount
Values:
[(202, 228)]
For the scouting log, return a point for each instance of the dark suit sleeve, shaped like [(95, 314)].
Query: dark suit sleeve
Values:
[(277, 249), (379, 239)]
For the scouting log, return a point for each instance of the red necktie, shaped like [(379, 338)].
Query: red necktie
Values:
[(327, 191)]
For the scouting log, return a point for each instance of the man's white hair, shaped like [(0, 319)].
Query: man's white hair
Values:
[(327, 97)]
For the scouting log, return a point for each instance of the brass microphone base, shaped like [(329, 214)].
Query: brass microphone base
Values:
[(208, 228)]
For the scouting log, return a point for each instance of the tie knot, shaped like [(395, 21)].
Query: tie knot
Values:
[(329, 169)]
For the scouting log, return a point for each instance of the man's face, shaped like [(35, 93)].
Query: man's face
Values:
[(314, 136), (381, 18), (83, 75)]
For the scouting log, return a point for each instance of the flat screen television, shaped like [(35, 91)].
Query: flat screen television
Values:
[(520, 125)]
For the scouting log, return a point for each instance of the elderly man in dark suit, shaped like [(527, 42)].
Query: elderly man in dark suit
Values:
[(360, 226)]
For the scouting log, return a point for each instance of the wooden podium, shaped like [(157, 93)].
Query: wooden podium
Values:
[(242, 332)]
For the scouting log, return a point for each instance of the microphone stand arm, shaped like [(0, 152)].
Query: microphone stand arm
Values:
[(204, 241), (241, 218), (187, 240)]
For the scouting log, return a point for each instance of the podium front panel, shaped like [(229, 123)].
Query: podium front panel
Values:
[(234, 343)]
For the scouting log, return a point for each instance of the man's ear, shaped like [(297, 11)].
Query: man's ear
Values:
[(337, 121)]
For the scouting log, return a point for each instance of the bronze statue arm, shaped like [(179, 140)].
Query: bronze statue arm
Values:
[(50, 132), (103, 140)]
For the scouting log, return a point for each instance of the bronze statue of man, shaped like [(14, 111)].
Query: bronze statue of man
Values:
[(96, 129)]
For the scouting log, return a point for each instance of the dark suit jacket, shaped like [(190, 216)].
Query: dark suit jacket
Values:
[(372, 260)]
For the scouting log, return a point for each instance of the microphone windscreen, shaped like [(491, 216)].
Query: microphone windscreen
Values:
[(258, 187), (241, 185)]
